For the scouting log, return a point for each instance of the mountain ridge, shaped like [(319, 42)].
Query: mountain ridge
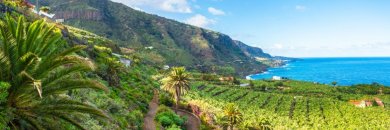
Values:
[(176, 43)]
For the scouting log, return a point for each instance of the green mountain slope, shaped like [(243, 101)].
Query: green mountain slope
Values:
[(175, 43)]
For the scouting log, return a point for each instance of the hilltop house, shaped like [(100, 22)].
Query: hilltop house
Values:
[(166, 67), (276, 78), (226, 78), (124, 61), (379, 102), (361, 104), (366, 103)]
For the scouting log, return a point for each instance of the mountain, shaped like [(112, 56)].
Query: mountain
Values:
[(173, 43), (252, 51)]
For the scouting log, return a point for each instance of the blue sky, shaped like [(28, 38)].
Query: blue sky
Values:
[(296, 28)]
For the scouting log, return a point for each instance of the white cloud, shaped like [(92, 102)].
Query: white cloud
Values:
[(200, 21), (137, 8), (278, 46), (215, 11), (177, 6), (300, 8)]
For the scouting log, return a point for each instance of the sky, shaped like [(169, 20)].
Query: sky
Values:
[(294, 28)]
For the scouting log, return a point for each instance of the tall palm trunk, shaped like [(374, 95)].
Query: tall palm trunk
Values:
[(177, 98)]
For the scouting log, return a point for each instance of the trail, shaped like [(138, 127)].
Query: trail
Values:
[(193, 122), (149, 123)]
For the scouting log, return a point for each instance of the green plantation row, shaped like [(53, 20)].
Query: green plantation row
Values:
[(281, 111)]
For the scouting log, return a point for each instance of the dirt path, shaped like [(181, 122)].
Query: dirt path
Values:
[(193, 122), (149, 123)]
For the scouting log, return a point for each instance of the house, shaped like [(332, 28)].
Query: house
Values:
[(60, 20), (124, 61), (366, 103), (283, 88), (244, 85), (149, 48), (226, 78), (357, 103), (166, 67), (379, 102), (41, 13), (276, 78)]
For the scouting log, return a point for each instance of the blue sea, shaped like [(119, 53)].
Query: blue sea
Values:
[(345, 71)]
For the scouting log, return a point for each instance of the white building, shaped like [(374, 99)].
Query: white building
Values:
[(276, 78), (60, 20), (149, 48), (166, 67)]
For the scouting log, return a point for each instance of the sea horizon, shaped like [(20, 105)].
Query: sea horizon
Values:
[(346, 71)]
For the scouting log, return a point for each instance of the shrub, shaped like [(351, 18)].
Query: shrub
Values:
[(173, 127), (236, 81), (278, 84), (166, 99), (166, 117)]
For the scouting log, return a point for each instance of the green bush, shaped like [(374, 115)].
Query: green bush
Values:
[(166, 99), (173, 127), (166, 117), (3, 99)]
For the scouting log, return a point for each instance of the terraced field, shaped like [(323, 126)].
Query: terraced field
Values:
[(282, 111)]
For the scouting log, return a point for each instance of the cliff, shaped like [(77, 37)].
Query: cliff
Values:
[(79, 14), (174, 43)]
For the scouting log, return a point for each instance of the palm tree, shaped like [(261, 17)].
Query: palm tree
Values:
[(334, 83), (40, 71), (114, 67), (232, 115), (176, 83)]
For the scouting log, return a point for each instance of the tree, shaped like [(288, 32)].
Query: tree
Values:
[(176, 83), (232, 115), (334, 83), (251, 84), (236, 81), (45, 9), (114, 67), (40, 71)]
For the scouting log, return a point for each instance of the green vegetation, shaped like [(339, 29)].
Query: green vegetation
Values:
[(168, 119), (50, 74), (176, 83), (39, 72), (174, 43), (232, 116), (45, 9), (291, 105), (124, 102)]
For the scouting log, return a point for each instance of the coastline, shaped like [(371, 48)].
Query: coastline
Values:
[(345, 71), (280, 64)]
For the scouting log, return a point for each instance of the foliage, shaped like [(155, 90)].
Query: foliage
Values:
[(232, 115), (45, 8), (167, 118), (175, 43), (41, 71), (165, 99), (304, 105), (176, 83), (4, 116), (174, 127), (225, 70), (334, 83)]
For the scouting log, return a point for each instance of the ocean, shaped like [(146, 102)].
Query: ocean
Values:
[(345, 71)]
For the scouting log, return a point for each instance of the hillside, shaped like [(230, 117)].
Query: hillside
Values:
[(174, 43), (282, 105)]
